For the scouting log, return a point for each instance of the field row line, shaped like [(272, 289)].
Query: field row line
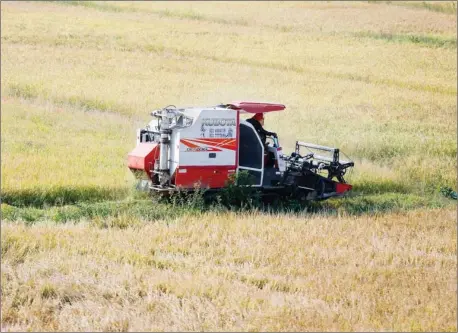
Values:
[(292, 68), (194, 16), (421, 40), (28, 94)]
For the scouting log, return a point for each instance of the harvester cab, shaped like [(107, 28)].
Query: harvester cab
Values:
[(185, 148)]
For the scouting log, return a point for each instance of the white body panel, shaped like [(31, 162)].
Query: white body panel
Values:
[(211, 140)]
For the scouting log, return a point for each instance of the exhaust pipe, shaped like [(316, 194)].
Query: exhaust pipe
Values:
[(167, 116), (165, 131), (164, 156)]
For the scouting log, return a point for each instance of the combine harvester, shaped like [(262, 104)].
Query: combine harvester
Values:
[(202, 147)]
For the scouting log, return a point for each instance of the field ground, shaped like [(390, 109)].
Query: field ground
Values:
[(221, 272), (81, 250)]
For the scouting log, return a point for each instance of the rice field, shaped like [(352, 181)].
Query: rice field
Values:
[(82, 250)]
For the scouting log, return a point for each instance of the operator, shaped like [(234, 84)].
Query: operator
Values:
[(258, 122)]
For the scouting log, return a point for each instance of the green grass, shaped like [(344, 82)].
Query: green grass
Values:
[(447, 7), (136, 212), (383, 203), (422, 40), (186, 15), (36, 91), (96, 5), (61, 195), (120, 214)]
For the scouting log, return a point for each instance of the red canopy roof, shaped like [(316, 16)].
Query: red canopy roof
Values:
[(257, 107)]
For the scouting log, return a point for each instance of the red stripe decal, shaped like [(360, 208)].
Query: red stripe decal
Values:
[(188, 144), (224, 143), (196, 148)]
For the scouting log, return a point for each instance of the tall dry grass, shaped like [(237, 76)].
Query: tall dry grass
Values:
[(248, 272)]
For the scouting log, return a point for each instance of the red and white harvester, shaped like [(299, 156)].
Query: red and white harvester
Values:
[(185, 148)]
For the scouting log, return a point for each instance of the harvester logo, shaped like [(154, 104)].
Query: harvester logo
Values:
[(209, 145), (218, 122), (217, 127)]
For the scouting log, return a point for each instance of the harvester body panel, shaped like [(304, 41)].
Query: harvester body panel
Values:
[(205, 153), (141, 159)]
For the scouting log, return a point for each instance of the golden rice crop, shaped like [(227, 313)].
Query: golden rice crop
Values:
[(248, 272)]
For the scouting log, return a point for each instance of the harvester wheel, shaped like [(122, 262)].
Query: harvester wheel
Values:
[(301, 196), (320, 188)]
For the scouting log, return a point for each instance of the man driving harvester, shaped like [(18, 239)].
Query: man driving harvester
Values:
[(258, 122)]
